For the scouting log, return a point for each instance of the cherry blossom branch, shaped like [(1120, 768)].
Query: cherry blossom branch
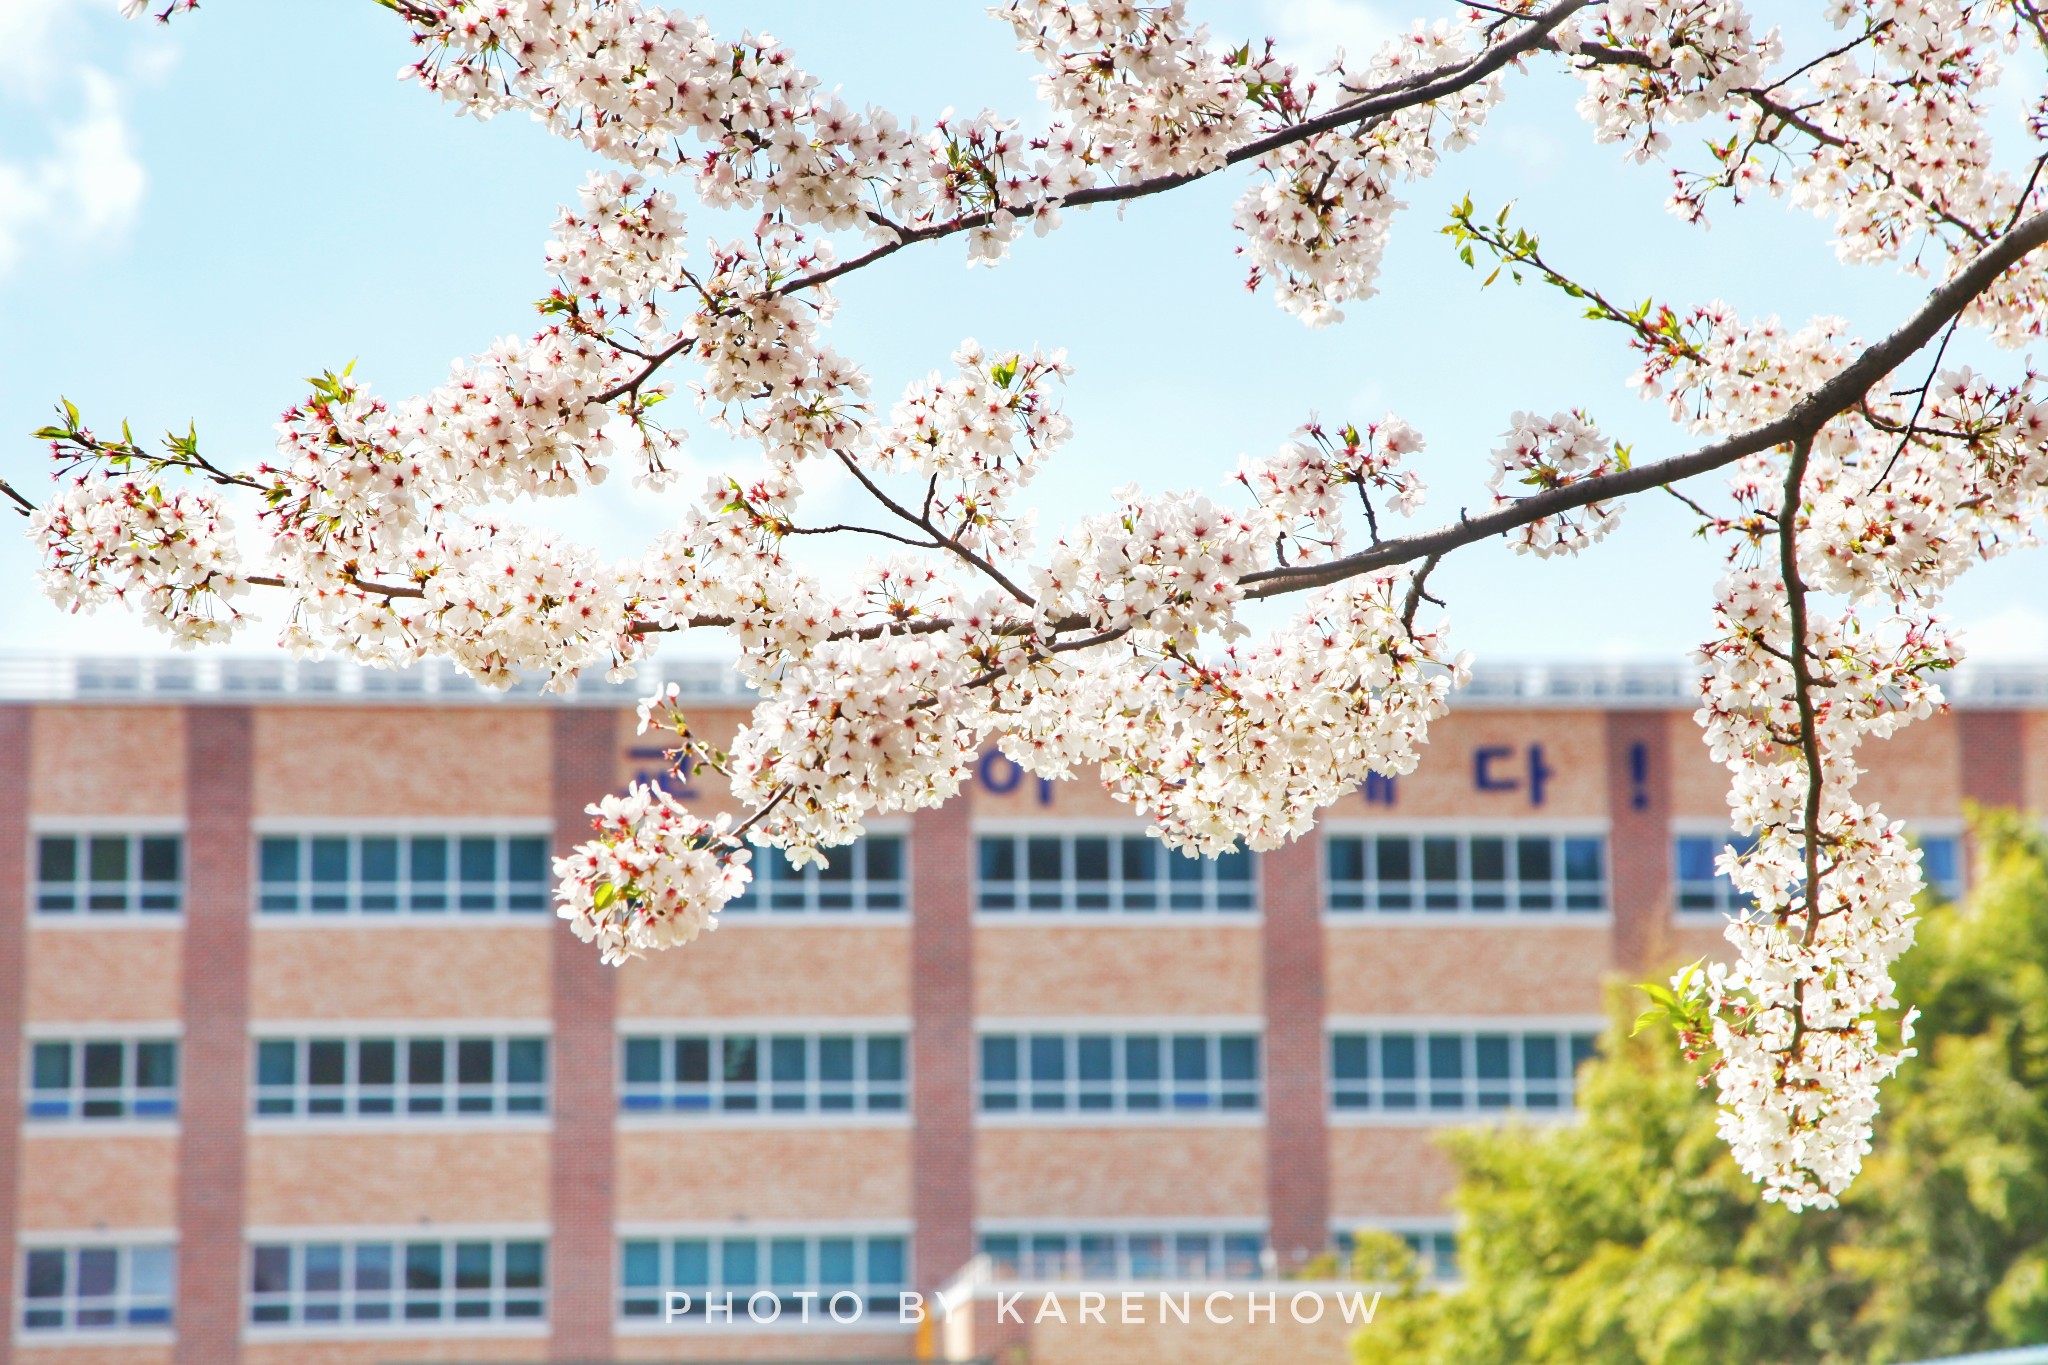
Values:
[(1807, 417), (1802, 671)]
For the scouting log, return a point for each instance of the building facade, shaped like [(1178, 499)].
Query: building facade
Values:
[(297, 1065)]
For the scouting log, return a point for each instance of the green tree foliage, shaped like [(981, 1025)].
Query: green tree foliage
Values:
[(1630, 1238)]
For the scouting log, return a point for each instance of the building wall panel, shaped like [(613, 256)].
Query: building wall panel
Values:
[(104, 975), (372, 1178), (695, 1342), (1391, 1172), (1049, 970), (107, 761), (1284, 1341), (1917, 774), (1466, 969), (743, 971), (1083, 1173), (1536, 765), (402, 971), (474, 1350), (75, 1178), (725, 1175), (100, 1353), (375, 762)]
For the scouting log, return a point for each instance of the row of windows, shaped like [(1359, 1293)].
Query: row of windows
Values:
[(1393, 873), (1121, 1255), (97, 1288), (397, 1281), (752, 1073), (816, 1073), (1119, 1072), (875, 1268), (1397, 1072), (312, 1077), (382, 1281)]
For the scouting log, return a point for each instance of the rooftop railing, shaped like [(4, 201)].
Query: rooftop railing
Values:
[(244, 678)]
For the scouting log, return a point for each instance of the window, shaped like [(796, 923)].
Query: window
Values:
[(97, 1288), (875, 1267), (1119, 1072), (1941, 865), (416, 1077), (779, 1073), (111, 1078), (1402, 873), (376, 1281), (1119, 1255), (1701, 888), (1454, 1072), (1102, 874), (1435, 1250), (867, 876), (391, 874), (109, 874)]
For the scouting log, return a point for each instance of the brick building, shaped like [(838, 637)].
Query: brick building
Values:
[(302, 1069)]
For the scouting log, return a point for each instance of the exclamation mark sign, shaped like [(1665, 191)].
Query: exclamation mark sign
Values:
[(1639, 775)]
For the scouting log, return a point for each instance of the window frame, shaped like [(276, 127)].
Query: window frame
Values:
[(1557, 832), (1425, 1238), (668, 1091), (135, 888), (771, 866), (1221, 1239), (1210, 1099), (535, 894), (642, 1306), (450, 1092), (164, 1101), (1727, 903), (1210, 886), (1578, 1037), (261, 1308), (123, 1302)]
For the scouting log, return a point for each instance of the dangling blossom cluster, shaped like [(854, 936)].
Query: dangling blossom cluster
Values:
[(1543, 453), (654, 876), (170, 558), (1120, 647), (1303, 490)]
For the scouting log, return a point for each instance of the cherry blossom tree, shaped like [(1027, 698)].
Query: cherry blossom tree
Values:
[(1849, 481)]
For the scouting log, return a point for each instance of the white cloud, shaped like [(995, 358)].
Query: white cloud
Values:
[(2016, 634), (1312, 32), (70, 173)]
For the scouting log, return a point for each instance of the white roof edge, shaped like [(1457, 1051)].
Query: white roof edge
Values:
[(247, 679)]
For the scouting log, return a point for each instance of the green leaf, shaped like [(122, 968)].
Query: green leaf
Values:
[(70, 412), (605, 894)]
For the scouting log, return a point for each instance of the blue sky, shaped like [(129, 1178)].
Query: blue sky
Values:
[(193, 219)]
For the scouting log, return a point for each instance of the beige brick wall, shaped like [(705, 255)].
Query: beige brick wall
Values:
[(1574, 748), (2034, 760), (1198, 1342), (375, 762), (1391, 1172), (747, 971), (721, 1175), (106, 760), (1081, 1173), (52, 1353), (470, 1351), (708, 793), (695, 1342), (1050, 970), (104, 975), (401, 971), (1465, 969), (76, 1178), (1917, 774), (366, 1177)]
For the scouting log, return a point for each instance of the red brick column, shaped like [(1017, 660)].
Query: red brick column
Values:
[(1297, 1140), (14, 741), (1993, 756), (213, 1101), (583, 1160), (1639, 842), (942, 1040)]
